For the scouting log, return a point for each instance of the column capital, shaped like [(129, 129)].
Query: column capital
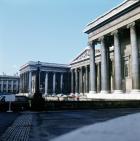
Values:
[(76, 69), (81, 67), (100, 39), (72, 70), (115, 32), (92, 43), (86, 66), (131, 25)]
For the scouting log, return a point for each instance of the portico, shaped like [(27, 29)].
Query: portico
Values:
[(54, 78), (117, 34)]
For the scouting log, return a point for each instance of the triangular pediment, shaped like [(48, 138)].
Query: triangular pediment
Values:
[(82, 56)]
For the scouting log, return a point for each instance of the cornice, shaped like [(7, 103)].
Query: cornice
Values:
[(112, 15)]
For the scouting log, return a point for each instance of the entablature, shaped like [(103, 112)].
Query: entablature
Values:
[(125, 17)]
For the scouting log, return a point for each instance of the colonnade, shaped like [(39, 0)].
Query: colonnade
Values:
[(80, 80), (105, 88), (95, 77), (26, 82), (54, 83), (9, 86)]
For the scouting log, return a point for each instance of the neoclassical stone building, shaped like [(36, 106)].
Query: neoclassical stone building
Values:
[(54, 78), (110, 64), (9, 84), (117, 30), (80, 71)]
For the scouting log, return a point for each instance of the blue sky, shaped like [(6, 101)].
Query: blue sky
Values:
[(45, 30)]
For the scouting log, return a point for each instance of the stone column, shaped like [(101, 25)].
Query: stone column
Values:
[(98, 77), (86, 80), (81, 81), (104, 70), (135, 59), (117, 64), (92, 69), (30, 83), (113, 77), (46, 84), (7, 86), (20, 82), (1, 85), (23, 83), (12, 85), (17, 86), (88, 76), (61, 83), (54, 84), (76, 81), (79, 78), (72, 81)]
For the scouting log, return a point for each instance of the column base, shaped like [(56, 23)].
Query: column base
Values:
[(71, 93), (92, 92), (54, 94), (81, 94), (29, 93), (45, 94), (9, 111), (117, 92), (135, 91), (86, 93), (104, 92), (76, 94)]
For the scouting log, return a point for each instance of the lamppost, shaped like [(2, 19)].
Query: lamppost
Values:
[(37, 101)]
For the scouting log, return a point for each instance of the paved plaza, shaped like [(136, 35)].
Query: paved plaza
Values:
[(35, 126), (6, 119)]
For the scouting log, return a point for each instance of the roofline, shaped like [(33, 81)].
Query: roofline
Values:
[(87, 48), (10, 76), (44, 64), (79, 54), (96, 54), (87, 28)]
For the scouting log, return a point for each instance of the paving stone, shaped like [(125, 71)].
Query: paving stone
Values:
[(19, 130)]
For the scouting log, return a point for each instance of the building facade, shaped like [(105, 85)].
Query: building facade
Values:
[(9, 84), (54, 78), (80, 72), (110, 64), (117, 30)]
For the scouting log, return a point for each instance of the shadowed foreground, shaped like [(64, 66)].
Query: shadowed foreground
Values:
[(49, 125), (35, 126)]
